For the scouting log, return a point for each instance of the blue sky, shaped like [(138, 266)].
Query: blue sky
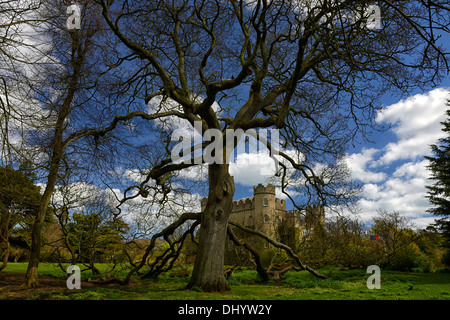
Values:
[(392, 169)]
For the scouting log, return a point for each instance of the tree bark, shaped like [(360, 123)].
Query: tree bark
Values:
[(5, 238), (208, 273), (31, 276), (6, 256)]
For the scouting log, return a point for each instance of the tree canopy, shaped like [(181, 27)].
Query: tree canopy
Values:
[(109, 101), (19, 199)]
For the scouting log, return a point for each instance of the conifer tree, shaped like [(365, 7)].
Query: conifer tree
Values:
[(439, 193)]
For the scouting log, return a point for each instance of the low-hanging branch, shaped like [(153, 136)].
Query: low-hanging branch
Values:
[(280, 245), (164, 233), (259, 267), (165, 261)]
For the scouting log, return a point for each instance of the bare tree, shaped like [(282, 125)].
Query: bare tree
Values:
[(53, 77), (314, 70), (18, 52), (395, 233), (74, 67)]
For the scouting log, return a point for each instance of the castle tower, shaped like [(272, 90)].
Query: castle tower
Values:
[(266, 213), (264, 202)]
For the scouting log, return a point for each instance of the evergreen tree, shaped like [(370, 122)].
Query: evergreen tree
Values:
[(439, 193), (19, 198)]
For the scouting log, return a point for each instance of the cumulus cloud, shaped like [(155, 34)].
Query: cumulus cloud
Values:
[(174, 123), (359, 163), (405, 194), (416, 123), (395, 176), (250, 169)]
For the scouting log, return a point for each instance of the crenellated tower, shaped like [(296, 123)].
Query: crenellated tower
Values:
[(265, 210), (266, 213)]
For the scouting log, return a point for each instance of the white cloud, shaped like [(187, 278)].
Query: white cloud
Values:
[(250, 169), (403, 192), (76, 195), (283, 196), (195, 173), (413, 169), (359, 163), (416, 125), (182, 126)]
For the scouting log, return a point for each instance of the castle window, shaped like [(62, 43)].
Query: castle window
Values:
[(250, 221), (266, 218), (266, 202)]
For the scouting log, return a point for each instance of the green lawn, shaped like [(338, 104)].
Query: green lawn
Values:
[(341, 285), (51, 269)]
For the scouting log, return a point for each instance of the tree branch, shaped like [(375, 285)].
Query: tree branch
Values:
[(280, 245)]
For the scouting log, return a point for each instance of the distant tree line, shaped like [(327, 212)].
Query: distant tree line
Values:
[(93, 235)]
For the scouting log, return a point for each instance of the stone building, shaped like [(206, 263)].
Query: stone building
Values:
[(266, 213)]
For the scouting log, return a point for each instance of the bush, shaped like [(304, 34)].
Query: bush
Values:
[(446, 258), (404, 260), (424, 262), (244, 277), (410, 258)]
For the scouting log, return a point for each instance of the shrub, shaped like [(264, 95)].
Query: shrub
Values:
[(446, 258), (404, 260)]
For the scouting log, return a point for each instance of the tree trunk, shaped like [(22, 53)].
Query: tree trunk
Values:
[(6, 256), (5, 238), (31, 276), (92, 263), (208, 273)]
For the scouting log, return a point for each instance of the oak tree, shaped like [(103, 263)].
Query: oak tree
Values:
[(313, 70)]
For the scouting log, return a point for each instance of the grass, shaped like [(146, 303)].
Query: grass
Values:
[(341, 285), (51, 269)]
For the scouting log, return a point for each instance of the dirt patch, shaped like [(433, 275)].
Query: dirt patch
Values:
[(11, 286)]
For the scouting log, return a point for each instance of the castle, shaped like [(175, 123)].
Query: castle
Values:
[(266, 213)]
